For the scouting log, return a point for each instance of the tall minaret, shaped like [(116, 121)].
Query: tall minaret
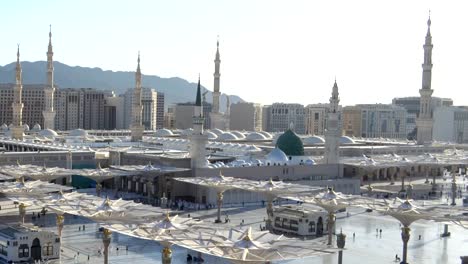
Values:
[(49, 113), (333, 133), (18, 130), (136, 127), (198, 139), (424, 122), (217, 76)]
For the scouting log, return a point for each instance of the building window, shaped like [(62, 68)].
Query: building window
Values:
[(23, 251), (48, 250)]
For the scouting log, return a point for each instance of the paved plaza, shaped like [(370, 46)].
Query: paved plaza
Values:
[(368, 246)]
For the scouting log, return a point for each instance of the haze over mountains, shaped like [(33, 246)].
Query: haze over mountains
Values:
[(176, 90)]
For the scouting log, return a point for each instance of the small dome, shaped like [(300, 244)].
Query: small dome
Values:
[(210, 135), (312, 140), (187, 132), (4, 127), (10, 126), (309, 162), (227, 136), (25, 127), (217, 131), (266, 134), (36, 128), (277, 156), (290, 144), (346, 140), (78, 133), (256, 136), (48, 133), (164, 133), (238, 134)]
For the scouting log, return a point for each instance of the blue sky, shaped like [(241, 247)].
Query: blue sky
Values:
[(271, 51)]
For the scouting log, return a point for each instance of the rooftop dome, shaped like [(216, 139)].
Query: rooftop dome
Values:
[(36, 128), (227, 136), (238, 134), (277, 156), (290, 144), (312, 140), (217, 131), (4, 127), (346, 140), (163, 133), (49, 133), (187, 132), (266, 134), (78, 133), (256, 136), (25, 127), (210, 135)]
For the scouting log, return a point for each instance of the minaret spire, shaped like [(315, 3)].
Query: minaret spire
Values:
[(17, 130), (198, 139), (48, 113), (424, 122), (137, 108), (333, 131), (217, 76)]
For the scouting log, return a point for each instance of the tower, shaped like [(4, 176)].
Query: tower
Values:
[(136, 127), (49, 113), (217, 76), (424, 122), (332, 132), (198, 139), (218, 120), (17, 130)]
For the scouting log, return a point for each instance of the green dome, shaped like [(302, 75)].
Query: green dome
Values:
[(290, 144)]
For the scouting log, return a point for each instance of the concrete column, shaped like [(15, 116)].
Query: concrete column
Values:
[(331, 225), (219, 201), (446, 232), (106, 239), (427, 174), (166, 255), (340, 241), (22, 212), (269, 209), (405, 236), (454, 190), (60, 220)]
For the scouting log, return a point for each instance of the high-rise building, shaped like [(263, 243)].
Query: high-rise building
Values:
[(114, 112), (160, 110), (315, 118), (183, 115), (149, 101), (424, 122), (280, 117), (169, 118), (49, 91), (80, 108), (245, 116), (451, 124), (375, 121)]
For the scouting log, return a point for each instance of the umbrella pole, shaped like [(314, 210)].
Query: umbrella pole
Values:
[(22, 212), (269, 209), (166, 255), (106, 239), (219, 203), (331, 224), (405, 236)]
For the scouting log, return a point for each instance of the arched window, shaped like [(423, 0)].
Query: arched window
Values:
[(311, 227), (48, 250)]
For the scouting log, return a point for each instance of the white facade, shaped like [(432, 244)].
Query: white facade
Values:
[(149, 101), (299, 221), (114, 111), (382, 121), (245, 116), (451, 124)]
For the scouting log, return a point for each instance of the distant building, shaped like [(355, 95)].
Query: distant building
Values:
[(451, 124), (265, 117), (80, 108), (169, 118), (316, 118), (246, 116), (281, 115), (183, 115), (160, 110), (33, 101), (114, 112), (149, 101), (375, 121)]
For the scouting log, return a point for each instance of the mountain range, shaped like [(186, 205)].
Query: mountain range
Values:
[(176, 90)]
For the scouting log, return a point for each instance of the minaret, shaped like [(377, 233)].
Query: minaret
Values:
[(424, 122), (18, 130), (217, 76), (137, 108), (198, 139), (333, 133), (228, 113), (49, 113)]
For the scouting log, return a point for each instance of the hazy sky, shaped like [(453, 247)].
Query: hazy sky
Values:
[(271, 51)]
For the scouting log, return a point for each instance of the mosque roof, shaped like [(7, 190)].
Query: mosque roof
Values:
[(290, 144)]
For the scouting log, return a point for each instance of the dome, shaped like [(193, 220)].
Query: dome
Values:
[(210, 135), (312, 140), (49, 133), (187, 132), (290, 144), (266, 134), (309, 162), (25, 127), (163, 133), (277, 156), (4, 127), (238, 134), (256, 136), (78, 133), (36, 128), (10, 126), (227, 136), (217, 131), (346, 140)]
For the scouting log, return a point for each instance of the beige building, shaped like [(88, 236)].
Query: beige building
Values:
[(160, 110), (316, 118), (169, 118), (114, 112), (351, 121), (246, 116), (281, 115), (183, 114), (149, 101)]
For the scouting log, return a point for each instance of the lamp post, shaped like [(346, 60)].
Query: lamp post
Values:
[(405, 236), (340, 241), (166, 255), (331, 224), (219, 203), (106, 239), (454, 190)]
